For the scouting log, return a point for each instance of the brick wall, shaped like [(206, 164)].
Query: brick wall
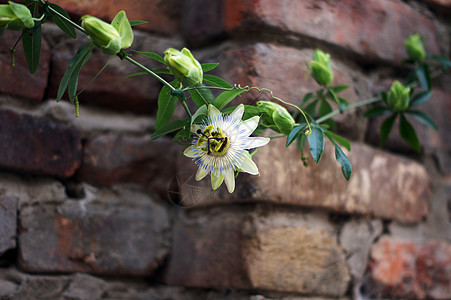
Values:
[(92, 208)]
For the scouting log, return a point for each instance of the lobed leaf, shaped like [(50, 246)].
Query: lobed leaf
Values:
[(339, 139), (316, 143), (31, 40), (166, 106), (216, 81), (343, 160), (168, 128), (295, 133), (152, 55), (73, 80), (423, 117), (377, 111), (386, 128), (225, 97), (208, 67), (62, 23), (408, 134), (420, 98), (137, 22), (423, 76), (201, 95)]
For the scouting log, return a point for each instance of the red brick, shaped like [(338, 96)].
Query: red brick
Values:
[(442, 6), (18, 81), (257, 248), (162, 15), (38, 145), (381, 184), (109, 159), (375, 29), (403, 269)]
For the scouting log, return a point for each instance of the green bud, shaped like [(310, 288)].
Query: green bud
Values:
[(103, 35), (184, 66), (276, 117), (415, 48), (321, 68), (122, 25), (15, 16), (398, 97)]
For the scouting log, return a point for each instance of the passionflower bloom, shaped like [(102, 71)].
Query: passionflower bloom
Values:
[(220, 146)]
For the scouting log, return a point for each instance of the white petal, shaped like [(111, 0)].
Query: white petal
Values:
[(201, 173), (216, 181), (229, 178), (247, 165), (213, 112), (191, 152), (237, 114), (255, 142), (194, 128), (249, 125)]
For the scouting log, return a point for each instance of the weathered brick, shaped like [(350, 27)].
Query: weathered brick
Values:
[(17, 80), (256, 248), (38, 145), (283, 70), (108, 232), (162, 15), (442, 6), (438, 107), (374, 29), (8, 221), (112, 158), (284, 179), (403, 269)]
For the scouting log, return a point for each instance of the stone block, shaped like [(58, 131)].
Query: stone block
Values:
[(400, 268), (372, 29), (381, 184), (259, 248), (112, 232), (17, 80), (114, 158), (8, 223), (37, 145)]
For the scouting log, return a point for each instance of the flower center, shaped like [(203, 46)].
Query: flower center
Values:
[(213, 142)]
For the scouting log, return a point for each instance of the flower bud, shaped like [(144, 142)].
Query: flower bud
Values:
[(183, 66), (15, 16), (276, 117), (321, 69), (415, 48), (122, 25), (398, 97), (103, 35)]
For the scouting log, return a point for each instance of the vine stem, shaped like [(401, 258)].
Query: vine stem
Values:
[(349, 107), (64, 17)]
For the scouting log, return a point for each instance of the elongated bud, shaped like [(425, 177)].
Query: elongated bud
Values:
[(103, 35), (122, 25), (398, 97), (321, 68), (15, 16), (276, 117), (415, 48), (183, 66)]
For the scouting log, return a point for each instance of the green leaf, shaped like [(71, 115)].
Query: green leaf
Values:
[(203, 110), (423, 117), (73, 80), (208, 67), (343, 160), (316, 143), (307, 97), (168, 128), (216, 81), (324, 108), (408, 134), (311, 108), (423, 76), (339, 139), (152, 55), (137, 22), (295, 133), (420, 98), (31, 40), (79, 57), (443, 60), (166, 106), (201, 95), (157, 71), (384, 96), (331, 95), (386, 128), (184, 134), (338, 88), (225, 97), (64, 25), (377, 111)]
